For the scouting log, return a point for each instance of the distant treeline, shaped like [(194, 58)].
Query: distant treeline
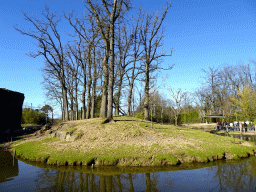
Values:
[(30, 116)]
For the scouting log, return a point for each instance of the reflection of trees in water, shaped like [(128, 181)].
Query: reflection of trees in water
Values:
[(55, 180), (244, 137), (151, 184), (8, 166), (236, 176), (131, 183)]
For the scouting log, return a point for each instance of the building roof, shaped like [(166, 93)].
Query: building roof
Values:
[(215, 116)]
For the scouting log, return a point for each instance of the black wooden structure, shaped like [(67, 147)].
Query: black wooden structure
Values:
[(215, 117), (10, 109)]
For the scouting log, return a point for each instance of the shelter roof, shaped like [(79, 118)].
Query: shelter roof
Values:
[(215, 116)]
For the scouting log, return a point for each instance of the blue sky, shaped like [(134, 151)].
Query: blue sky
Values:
[(203, 33)]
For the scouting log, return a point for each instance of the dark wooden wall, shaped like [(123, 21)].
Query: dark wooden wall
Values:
[(10, 109)]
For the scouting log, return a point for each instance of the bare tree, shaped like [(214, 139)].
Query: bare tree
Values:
[(123, 48), (80, 54), (70, 86), (198, 98), (179, 98), (73, 71), (51, 47), (152, 41), (106, 18), (95, 77), (52, 87), (135, 69), (83, 57), (213, 82)]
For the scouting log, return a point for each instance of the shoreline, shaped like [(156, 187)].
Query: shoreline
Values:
[(238, 133), (121, 144)]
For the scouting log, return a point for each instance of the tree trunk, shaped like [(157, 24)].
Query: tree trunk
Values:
[(119, 92), (71, 109), (83, 97), (148, 182), (76, 101), (103, 109), (93, 85), (65, 102), (146, 97), (64, 93), (93, 100), (111, 72), (89, 87), (162, 111), (130, 98), (154, 110), (71, 114)]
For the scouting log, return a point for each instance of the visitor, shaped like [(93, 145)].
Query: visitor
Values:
[(231, 126)]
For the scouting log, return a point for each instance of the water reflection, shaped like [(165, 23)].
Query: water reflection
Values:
[(220, 175), (236, 176), (240, 136), (8, 166)]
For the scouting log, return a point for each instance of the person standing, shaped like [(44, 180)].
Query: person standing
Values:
[(231, 126)]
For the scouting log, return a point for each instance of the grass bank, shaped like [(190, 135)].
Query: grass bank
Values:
[(129, 142)]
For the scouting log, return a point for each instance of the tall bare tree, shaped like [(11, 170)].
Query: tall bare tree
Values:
[(73, 70), (106, 14), (178, 96), (135, 69), (52, 88), (212, 81), (152, 41), (50, 47), (80, 54)]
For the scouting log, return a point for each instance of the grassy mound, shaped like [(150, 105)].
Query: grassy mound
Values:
[(129, 141)]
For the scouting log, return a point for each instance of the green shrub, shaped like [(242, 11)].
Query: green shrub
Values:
[(191, 117), (140, 115), (30, 116)]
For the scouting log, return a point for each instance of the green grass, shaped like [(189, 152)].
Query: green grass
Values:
[(200, 146), (32, 150), (47, 140), (36, 150), (17, 142), (28, 125)]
